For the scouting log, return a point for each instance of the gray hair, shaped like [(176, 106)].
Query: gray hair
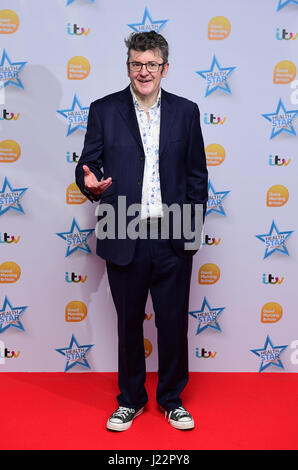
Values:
[(148, 40)]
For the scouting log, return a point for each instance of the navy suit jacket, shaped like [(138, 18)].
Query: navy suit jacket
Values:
[(113, 148)]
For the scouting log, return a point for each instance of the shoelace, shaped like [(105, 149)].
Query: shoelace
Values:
[(179, 412), (122, 412)]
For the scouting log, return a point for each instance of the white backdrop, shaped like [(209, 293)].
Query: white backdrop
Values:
[(254, 297)]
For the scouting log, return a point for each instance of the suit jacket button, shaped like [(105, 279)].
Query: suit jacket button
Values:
[(142, 157), (139, 182)]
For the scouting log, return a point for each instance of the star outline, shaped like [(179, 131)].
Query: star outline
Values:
[(14, 323), (216, 325), (20, 65), (18, 208), (146, 15), (224, 86), (84, 362), (291, 130), (258, 351), (282, 250)]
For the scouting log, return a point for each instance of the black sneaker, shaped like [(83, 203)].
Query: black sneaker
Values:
[(122, 418), (180, 418)]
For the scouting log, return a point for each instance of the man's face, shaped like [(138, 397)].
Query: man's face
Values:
[(146, 84)]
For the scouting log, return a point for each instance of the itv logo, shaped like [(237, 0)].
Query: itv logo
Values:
[(212, 119), (74, 158), (6, 354), (7, 116), (6, 238), (205, 354), (211, 241), (271, 279), (278, 161), (72, 277), (75, 30)]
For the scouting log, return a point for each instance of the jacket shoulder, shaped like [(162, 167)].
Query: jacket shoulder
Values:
[(179, 100), (111, 98)]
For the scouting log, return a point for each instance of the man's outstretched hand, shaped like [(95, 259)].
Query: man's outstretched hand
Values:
[(92, 183)]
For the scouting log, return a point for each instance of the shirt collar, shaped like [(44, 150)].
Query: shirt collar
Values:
[(137, 104)]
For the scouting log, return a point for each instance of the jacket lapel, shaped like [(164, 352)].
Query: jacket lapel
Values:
[(127, 110), (167, 116)]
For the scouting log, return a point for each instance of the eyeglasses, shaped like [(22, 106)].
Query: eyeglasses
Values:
[(150, 66)]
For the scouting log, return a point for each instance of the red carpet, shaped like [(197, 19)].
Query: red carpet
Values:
[(62, 411)]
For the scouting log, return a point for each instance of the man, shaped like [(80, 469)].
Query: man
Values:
[(146, 144)]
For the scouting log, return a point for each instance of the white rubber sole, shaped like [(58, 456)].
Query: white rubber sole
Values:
[(183, 425), (122, 426)]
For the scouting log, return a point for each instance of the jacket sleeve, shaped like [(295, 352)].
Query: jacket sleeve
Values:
[(197, 174), (92, 153)]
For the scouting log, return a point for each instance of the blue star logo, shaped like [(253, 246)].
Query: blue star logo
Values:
[(77, 116), (281, 120), (283, 3), (10, 316), (275, 240), (207, 317), (75, 354), (216, 77), (9, 198), (215, 198), (269, 354), (71, 1), (148, 24), (9, 72), (76, 238)]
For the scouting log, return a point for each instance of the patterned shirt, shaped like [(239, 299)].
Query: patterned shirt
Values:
[(149, 130)]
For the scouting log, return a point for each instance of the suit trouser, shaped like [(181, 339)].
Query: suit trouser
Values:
[(155, 268)]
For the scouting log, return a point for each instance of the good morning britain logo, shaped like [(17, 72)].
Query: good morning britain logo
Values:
[(271, 312), (277, 196), (78, 68), (9, 22), (208, 274), (75, 311), (74, 195), (219, 28), (284, 72), (215, 155), (10, 151), (10, 272)]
